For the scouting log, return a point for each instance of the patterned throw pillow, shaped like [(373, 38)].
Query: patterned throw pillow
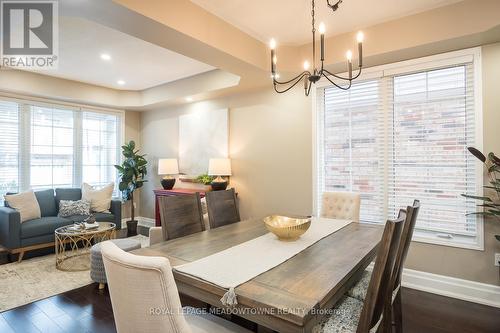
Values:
[(69, 208)]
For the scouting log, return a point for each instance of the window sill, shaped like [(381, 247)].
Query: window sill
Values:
[(458, 241)]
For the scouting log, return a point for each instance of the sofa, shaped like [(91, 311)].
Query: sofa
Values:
[(36, 234)]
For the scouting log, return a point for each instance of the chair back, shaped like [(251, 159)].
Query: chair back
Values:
[(380, 282), (404, 245), (143, 292), (180, 215), (341, 205), (222, 208)]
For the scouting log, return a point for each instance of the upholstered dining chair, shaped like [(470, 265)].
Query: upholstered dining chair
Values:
[(222, 208), (341, 205), (145, 298), (393, 309), (353, 315), (180, 216)]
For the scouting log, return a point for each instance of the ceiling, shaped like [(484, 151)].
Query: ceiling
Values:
[(289, 21), (139, 64)]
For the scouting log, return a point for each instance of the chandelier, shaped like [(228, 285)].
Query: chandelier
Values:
[(309, 77)]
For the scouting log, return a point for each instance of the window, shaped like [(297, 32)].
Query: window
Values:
[(49, 146), (402, 134)]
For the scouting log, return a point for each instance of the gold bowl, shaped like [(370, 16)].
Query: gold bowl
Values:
[(287, 228)]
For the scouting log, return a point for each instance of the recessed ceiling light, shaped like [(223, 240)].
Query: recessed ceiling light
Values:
[(105, 56), (189, 99), (121, 82)]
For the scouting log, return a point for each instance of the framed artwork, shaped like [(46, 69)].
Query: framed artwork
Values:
[(202, 135)]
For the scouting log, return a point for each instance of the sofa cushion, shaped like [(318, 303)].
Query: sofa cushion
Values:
[(42, 226), (99, 217), (47, 202), (26, 204), (73, 194)]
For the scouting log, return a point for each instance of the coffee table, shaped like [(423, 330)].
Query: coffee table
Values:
[(73, 246)]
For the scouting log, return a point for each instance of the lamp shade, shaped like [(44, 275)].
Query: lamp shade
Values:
[(219, 167), (168, 166)]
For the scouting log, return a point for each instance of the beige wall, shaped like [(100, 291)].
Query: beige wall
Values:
[(270, 147), (271, 150)]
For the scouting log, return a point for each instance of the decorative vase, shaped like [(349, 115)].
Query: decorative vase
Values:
[(219, 186), (131, 228), (168, 183)]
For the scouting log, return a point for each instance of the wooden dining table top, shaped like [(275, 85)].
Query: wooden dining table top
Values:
[(290, 297)]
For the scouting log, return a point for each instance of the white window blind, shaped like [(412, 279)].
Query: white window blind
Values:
[(9, 147), (434, 123), (52, 150), (404, 136), (353, 142), (48, 146), (100, 147)]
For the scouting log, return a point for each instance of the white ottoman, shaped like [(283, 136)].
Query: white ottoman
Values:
[(97, 272)]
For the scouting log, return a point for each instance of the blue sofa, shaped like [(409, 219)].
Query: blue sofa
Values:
[(35, 234)]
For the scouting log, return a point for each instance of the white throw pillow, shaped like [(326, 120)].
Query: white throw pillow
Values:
[(100, 199), (26, 204)]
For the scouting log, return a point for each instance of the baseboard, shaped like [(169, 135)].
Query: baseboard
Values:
[(143, 221), (466, 290)]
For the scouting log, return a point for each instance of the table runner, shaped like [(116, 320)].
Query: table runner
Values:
[(241, 263)]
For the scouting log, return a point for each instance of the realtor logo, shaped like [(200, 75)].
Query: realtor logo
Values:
[(29, 31)]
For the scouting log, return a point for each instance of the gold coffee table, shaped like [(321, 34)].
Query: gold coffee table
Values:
[(73, 246)]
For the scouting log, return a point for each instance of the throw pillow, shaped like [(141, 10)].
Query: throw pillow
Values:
[(69, 208), (100, 199), (26, 204)]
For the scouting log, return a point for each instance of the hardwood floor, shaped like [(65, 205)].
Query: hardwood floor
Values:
[(88, 310)]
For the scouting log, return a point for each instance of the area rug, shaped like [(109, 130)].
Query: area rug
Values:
[(37, 278)]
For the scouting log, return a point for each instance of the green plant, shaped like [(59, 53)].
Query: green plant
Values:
[(205, 179), (491, 203), (132, 172)]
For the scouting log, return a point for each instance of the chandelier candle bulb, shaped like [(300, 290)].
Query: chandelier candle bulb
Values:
[(306, 65), (322, 32), (360, 38), (349, 62)]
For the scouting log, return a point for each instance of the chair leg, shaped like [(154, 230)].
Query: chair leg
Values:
[(398, 313), (21, 255)]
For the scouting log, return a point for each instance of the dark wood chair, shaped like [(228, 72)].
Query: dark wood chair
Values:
[(180, 215), (222, 208), (393, 308), (353, 315)]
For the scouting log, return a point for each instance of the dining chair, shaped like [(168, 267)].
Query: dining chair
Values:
[(180, 216), (222, 208), (353, 315), (341, 205), (393, 308), (145, 298)]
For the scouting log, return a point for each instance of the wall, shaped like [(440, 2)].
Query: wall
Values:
[(271, 150)]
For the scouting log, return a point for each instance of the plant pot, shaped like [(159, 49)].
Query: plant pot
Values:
[(168, 183), (131, 228)]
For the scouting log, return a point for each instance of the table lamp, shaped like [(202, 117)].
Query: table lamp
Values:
[(219, 167), (169, 168)]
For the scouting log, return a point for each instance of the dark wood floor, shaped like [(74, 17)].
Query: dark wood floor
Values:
[(88, 310)]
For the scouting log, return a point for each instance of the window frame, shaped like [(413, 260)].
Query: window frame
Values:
[(471, 55), (27, 101)]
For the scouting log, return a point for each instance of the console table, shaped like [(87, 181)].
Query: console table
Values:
[(170, 193)]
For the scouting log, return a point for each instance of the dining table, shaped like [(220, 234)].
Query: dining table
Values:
[(291, 297)]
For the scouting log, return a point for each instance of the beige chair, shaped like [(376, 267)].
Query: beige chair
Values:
[(341, 205), (145, 298)]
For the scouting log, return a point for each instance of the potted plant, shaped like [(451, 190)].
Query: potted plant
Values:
[(491, 203), (205, 179), (132, 172)]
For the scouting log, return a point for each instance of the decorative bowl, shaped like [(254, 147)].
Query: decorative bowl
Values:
[(287, 228)]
